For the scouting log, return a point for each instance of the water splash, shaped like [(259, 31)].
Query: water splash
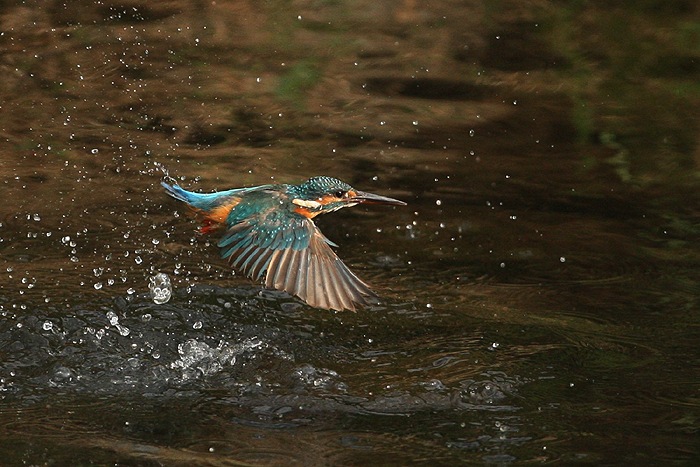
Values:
[(198, 358)]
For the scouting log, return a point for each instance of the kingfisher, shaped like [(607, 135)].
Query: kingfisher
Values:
[(268, 233)]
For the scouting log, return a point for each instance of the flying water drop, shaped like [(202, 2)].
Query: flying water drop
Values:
[(160, 287)]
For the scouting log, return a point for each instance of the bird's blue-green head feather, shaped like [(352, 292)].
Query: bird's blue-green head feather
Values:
[(318, 187), (320, 195)]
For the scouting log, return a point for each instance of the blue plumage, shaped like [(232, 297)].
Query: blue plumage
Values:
[(204, 201), (268, 232)]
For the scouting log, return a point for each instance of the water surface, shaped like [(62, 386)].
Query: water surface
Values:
[(539, 292)]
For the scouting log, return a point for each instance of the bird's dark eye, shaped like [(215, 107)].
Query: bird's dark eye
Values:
[(340, 194)]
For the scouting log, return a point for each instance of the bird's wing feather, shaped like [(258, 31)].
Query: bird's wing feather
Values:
[(292, 254), (317, 276)]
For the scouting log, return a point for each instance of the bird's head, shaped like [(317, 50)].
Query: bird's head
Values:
[(319, 195)]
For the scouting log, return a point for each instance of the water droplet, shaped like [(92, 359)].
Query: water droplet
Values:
[(98, 285), (160, 287), (197, 325), (47, 326), (36, 217), (113, 318), (562, 259)]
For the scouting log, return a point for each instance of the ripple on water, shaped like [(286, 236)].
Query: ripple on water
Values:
[(258, 361), (44, 419)]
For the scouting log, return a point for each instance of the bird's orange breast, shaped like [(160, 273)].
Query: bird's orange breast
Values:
[(220, 213), (212, 219), (306, 212)]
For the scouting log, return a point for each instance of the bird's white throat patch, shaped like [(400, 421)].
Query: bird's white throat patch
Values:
[(311, 204)]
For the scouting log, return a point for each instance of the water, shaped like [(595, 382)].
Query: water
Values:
[(539, 292)]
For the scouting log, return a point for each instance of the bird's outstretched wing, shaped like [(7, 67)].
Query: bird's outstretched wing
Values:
[(292, 255)]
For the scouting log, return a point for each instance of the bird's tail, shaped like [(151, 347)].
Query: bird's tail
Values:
[(204, 202), (178, 193), (197, 201)]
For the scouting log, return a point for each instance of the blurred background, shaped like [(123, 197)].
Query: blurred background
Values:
[(539, 292)]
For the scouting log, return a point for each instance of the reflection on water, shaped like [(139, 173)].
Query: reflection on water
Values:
[(539, 291)]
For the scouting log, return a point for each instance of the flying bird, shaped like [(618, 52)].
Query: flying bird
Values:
[(269, 234)]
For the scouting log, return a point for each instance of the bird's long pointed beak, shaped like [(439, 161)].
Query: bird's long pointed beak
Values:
[(371, 198)]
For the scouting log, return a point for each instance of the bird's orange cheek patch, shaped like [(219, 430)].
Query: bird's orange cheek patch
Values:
[(327, 199)]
